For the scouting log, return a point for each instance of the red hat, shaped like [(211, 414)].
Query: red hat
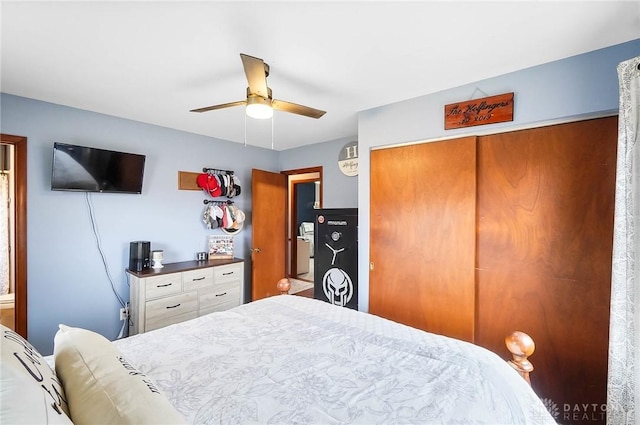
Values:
[(209, 184)]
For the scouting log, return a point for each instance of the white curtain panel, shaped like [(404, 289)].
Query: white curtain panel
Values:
[(623, 387), (4, 234)]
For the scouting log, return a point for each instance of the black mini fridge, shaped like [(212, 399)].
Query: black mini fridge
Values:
[(336, 256)]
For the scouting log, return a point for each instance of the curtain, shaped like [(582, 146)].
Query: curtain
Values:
[(623, 386), (4, 234)]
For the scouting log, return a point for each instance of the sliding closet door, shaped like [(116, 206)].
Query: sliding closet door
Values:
[(422, 236), (545, 231)]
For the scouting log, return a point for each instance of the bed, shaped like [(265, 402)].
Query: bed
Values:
[(288, 360)]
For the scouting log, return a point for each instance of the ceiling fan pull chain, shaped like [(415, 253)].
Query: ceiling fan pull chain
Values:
[(272, 131), (245, 130)]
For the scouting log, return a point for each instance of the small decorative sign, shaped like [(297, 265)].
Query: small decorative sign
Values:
[(220, 247), (488, 110), (348, 159)]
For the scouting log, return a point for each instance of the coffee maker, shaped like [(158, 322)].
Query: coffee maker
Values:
[(139, 256)]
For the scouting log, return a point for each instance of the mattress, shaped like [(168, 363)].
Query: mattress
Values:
[(289, 359)]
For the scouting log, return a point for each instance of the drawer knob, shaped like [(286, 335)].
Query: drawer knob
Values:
[(173, 306), (227, 273), (221, 295), (197, 278), (165, 285)]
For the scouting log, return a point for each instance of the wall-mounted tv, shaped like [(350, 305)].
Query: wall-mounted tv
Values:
[(85, 169)]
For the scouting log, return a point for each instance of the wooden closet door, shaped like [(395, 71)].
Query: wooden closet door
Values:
[(545, 232), (422, 236)]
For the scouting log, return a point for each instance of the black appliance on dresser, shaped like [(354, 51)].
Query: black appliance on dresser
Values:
[(336, 256), (139, 256)]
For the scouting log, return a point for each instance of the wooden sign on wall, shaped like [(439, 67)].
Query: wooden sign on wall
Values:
[(187, 180), (488, 110)]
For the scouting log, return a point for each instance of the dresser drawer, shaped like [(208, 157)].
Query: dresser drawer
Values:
[(227, 273), (163, 285), (195, 279), (174, 305), (217, 307), (162, 321), (225, 294)]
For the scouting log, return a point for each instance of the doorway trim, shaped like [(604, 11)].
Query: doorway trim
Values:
[(292, 212), (20, 210)]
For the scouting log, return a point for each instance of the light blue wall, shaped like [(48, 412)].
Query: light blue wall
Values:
[(338, 190), (67, 282), (572, 88)]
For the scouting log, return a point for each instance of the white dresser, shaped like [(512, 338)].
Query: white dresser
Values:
[(182, 291)]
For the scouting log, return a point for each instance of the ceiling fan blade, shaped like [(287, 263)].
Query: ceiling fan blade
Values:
[(256, 71), (223, 105), (282, 105)]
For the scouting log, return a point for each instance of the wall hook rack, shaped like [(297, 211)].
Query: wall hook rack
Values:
[(210, 201), (216, 171)]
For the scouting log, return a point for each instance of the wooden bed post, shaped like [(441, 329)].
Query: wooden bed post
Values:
[(521, 346), (284, 285)]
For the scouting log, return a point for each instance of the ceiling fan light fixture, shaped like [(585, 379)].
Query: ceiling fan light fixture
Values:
[(259, 108), (260, 103)]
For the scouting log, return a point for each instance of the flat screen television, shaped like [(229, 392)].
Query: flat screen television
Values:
[(85, 169)]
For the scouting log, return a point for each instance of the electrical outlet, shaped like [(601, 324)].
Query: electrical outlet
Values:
[(124, 313)]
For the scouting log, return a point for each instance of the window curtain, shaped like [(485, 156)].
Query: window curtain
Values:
[(4, 234), (623, 387)]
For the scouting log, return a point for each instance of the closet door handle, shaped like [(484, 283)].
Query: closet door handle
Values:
[(256, 250)]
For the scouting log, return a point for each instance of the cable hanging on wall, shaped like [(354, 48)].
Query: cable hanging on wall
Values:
[(96, 234)]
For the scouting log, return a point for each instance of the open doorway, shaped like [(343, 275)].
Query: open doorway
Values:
[(305, 196), (305, 202), (13, 299)]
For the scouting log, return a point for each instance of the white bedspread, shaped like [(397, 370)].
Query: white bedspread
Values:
[(294, 360)]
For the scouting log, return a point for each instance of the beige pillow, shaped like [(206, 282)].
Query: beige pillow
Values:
[(30, 392), (103, 387)]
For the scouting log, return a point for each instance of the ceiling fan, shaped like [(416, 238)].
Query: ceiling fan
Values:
[(260, 102)]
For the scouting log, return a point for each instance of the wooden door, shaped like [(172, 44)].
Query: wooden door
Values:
[(422, 236), (19, 204), (545, 232), (269, 235)]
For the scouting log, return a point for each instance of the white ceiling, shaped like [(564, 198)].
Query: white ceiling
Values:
[(154, 61)]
